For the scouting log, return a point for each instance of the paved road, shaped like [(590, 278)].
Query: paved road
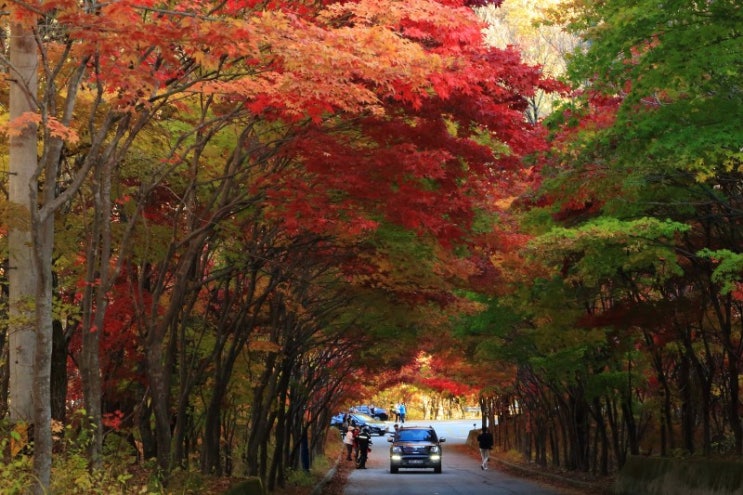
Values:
[(461, 473)]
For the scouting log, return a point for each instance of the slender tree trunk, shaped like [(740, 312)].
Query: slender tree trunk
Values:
[(94, 307), (734, 404), (44, 242), (210, 452), (281, 435), (603, 465), (144, 425), (687, 404), (59, 373), (159, 380), (92, 348), (554, 446), (4, 363), (704, 371), (629, 420)]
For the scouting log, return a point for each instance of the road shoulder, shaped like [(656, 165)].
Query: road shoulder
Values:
[(565, 482)]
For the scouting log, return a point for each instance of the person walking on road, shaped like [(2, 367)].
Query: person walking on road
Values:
[(485, 441)]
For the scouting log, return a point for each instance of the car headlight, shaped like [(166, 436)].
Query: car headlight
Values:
[(435, 457), (435, 449), (397, 450)]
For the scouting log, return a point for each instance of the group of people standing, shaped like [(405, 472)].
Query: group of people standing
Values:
[(399, 411), (358, 444)]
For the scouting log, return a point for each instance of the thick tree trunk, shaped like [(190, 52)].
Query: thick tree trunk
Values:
[(30, 241), (22, 273)]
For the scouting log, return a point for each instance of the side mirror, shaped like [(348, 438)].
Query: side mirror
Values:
[(442, 440)]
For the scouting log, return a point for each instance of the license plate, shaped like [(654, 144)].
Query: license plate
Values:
[(415, 461)]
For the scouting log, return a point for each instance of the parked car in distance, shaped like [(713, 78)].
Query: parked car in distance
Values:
[(337, 420), (376, 412), (415, 447), (375, 426)]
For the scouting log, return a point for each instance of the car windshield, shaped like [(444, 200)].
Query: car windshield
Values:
[(416, 436)]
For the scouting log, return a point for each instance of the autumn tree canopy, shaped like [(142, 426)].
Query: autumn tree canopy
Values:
[(254, 182), (224, 208)]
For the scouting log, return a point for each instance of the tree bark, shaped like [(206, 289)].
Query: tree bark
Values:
[(29, 339), (22, 273), (44, 243), (59, 373)]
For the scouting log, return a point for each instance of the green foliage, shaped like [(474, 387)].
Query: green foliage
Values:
[(71, 473), (680, 73), (729, 269), (637, 234), (601, 248), (15, 473), (495, 320)]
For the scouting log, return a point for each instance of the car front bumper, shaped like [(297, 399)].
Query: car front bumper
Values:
[(430, 461)]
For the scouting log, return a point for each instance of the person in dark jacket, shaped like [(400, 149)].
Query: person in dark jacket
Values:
[(363, 441), (485, 441)]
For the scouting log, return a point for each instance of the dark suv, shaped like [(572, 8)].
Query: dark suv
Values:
[(415, 447)]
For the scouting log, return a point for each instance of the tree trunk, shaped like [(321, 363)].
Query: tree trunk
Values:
[(44, 243), (22, 272), (603, 436), (30, 328), (631, 425), (259, 428), (687, 403), (733, 406), (158, 378), (101, 278), (210, 452), (146, 433), (59, 373)]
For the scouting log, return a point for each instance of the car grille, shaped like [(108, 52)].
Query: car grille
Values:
[(415, 450)]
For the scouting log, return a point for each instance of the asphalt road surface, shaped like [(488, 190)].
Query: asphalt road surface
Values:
[(461, 473)]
